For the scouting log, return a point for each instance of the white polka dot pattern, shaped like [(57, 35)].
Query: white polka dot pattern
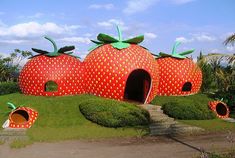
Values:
[(107, 70), (65, 70), (174, 73)]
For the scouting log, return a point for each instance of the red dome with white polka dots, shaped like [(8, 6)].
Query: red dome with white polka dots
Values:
[(66, 71), (175, 74), (178, 75), (109, 66), (63, 69)]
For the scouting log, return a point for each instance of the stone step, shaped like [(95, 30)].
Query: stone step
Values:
[(161, 119), (13, 132)]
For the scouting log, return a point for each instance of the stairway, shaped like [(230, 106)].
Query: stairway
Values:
[(161, 124), (12, 134)]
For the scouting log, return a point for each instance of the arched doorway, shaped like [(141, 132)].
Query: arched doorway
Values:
[(51, 86), (137, 86), (187, 87)]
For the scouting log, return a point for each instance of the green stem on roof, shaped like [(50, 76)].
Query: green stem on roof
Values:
[(177, 43), (54, 44), (119, 33)]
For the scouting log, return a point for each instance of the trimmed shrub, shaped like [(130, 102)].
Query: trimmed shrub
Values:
[(111, 113), (187, 111), (8, 87)]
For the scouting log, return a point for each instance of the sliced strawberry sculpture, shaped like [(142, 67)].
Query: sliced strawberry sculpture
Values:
[(52, 73), (178, 75), (20, 117), (219, 108), (121, 69)]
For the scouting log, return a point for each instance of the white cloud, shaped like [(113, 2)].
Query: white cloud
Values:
[(181, 1), (84, 40), (13, 41), (202, 37), (112, 23), (214, 50), (88, 35), (150, 35), (35, 29), (108, 6), (230, 48), (183, 39), (2, 24), (134, 6)]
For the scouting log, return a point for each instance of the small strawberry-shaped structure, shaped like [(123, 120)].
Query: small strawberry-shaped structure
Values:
[(121, 69), (220, 108), (178, 75), (52, 73), (20, 117)]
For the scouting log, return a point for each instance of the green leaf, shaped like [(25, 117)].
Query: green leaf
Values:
[(106, 38), (161, 54), (40, 51), (186, 52), (135, 40), (178, 56), (120, 45), (96, 42), (65, 49)]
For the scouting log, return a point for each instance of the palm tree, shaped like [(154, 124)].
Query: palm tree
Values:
[(230, 40)]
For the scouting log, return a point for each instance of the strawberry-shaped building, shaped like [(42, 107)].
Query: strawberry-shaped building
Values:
[(121, 69), (178, 75), (20, 117), (52, 73)]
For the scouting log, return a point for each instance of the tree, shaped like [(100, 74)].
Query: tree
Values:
[(230, 40), (10, 66), (223, 70)]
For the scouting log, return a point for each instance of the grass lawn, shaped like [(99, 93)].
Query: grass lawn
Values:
[(60, 119), (214, 125)]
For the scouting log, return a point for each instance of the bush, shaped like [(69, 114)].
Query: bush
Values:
[(185, 111), (111, 113), (8, 87)]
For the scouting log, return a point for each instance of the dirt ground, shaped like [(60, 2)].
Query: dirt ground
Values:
[(147, 147)]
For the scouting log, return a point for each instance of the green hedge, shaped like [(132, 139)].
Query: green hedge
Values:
[(185, 111), (111, 113), (8, 87)]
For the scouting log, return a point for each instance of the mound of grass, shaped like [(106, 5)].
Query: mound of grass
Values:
[(194, 107), (111, 113), (60, 119), (185, 111)]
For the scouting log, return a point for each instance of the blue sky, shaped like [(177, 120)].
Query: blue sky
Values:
[(199, 24)]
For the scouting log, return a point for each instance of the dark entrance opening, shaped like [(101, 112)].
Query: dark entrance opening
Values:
[(187, 87), (137, 86), (221, 109), (51, 86), (20, 116)]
